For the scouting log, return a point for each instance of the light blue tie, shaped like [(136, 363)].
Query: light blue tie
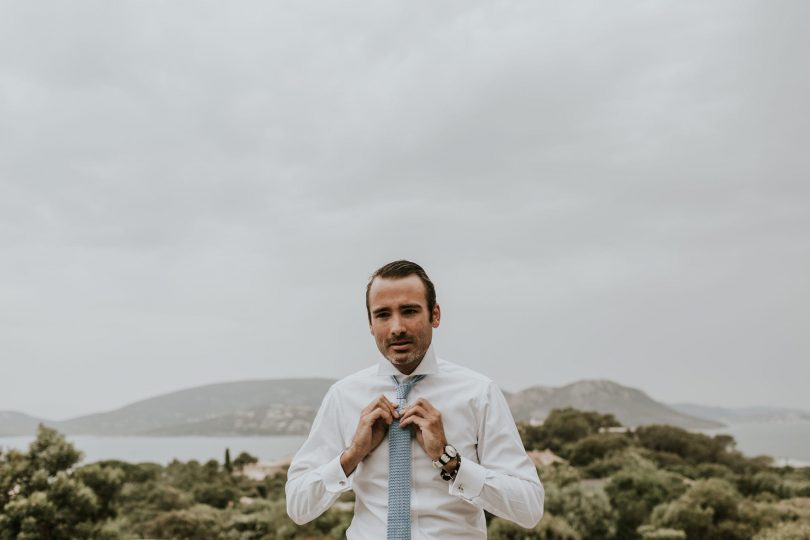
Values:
[(399, 469)]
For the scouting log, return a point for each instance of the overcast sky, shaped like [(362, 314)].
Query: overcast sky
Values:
[(196, 192)]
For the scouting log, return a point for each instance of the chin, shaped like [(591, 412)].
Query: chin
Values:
[(401, 360)]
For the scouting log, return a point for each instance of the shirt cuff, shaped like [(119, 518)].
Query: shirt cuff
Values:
[(469, 480), (334, 478)]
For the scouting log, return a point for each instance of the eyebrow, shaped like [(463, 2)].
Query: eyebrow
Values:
[(403, 306)]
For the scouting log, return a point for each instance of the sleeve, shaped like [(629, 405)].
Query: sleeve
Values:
[(504, 482), (315, 478)]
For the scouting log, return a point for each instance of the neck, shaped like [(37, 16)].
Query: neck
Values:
[(407, 369)]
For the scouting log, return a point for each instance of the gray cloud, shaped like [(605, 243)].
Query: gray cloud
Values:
[(196, 193)]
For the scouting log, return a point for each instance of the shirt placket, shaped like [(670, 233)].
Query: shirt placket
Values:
[(416, 531)]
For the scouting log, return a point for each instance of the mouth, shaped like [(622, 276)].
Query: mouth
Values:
[(401, 345)]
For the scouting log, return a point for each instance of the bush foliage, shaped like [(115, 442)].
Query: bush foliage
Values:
[(657, 482)]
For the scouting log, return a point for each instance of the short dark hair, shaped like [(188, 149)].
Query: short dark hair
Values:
[(402, 269)]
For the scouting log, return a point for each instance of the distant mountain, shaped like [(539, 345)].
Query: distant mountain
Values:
[(743, 415), (275, 419), (216, 409), (631, 407), (288, 406), (17, 423)]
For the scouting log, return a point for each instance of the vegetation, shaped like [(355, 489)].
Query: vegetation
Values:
[(658, 482)]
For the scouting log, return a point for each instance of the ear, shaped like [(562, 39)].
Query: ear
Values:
[(437, 315)]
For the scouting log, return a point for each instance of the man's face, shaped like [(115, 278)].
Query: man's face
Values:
[(400, 321)]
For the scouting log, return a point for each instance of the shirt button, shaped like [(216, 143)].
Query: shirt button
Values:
[(342, 483), (461, 488)]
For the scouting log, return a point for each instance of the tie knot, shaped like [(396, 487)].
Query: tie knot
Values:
[(403, 389)]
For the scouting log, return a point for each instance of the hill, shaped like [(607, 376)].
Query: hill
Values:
[(631, 407), (274, 419), (211, 410), (17, 423), (288, 406)]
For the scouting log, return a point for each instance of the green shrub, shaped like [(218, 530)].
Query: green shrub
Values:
[(634, 493), (709, 509), (200, 522), (648, 532), (786, 531), (550, 528), (590, 514), (598, 446)]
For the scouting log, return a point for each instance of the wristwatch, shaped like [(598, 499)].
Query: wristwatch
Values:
[(449, 453), (449, 476)]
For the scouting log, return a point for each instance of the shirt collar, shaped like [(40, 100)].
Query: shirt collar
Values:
[(428, 366)]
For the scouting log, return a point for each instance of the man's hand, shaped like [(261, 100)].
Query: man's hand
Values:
[(371, 429), (426, 420)]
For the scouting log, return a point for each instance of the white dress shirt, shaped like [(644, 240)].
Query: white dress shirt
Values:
[(495, 473)]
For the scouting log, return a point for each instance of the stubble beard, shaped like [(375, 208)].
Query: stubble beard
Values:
[(410, 359)]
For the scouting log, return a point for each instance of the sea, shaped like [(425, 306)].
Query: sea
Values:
[(165, 449), (788, 443)]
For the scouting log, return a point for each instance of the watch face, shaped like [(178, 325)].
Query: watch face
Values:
[(450, 451)]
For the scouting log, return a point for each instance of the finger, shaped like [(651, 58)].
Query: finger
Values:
[(427, 405), (371, 406), (415, 410), (379, 401), (384, 402), (385, 414), (378, 413), (390, 405), (415, 420)]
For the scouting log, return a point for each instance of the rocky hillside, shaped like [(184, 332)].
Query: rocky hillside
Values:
[(260, 407), (631, 407)]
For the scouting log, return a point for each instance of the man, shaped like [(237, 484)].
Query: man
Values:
[(465, 454)]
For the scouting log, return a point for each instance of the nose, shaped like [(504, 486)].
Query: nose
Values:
[(397, 328)]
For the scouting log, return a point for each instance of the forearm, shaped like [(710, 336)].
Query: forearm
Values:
[(349, 460), (310, 493), (502, 480), (511, 497)]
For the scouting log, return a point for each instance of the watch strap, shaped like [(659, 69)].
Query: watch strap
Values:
[(449, 476), (448, 453)]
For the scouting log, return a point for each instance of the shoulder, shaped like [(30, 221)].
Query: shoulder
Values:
[(461, 372), (357, 380), (469, 380)]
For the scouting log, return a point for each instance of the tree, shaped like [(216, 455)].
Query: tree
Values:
[(710, 509), (244, 459), (598, 446), (634, 493), (199, 522), (106, 482), (693, 448), (589, 514), (549, 528), (648, 532), (45, 498), (228, 464), (786, 531), (563, 427)]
